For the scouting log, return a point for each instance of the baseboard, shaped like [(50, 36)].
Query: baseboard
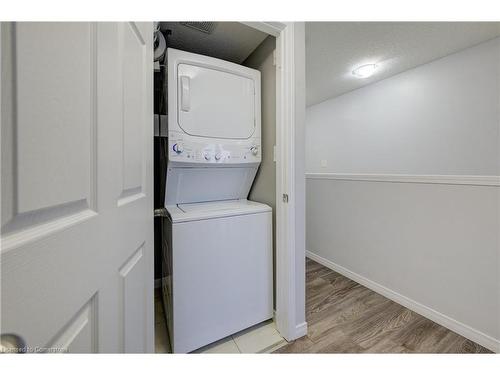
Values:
[(450, 323), (300, 329)]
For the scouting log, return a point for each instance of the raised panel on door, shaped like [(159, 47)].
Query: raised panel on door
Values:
[(48, 157), (79, 335), (134, 97), (134, 301)]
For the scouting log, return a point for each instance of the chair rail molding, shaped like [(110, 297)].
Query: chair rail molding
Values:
[(409, 178)]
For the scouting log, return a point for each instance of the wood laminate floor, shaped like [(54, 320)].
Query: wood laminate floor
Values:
[(346, 317)]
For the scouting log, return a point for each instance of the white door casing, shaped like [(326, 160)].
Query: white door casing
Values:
[(290, 176), (76, 251)]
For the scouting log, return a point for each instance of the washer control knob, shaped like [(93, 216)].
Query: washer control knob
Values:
[(178, 148), (218, 156), (207, 156), (254, 150)]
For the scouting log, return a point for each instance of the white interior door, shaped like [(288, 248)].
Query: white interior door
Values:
[(76, 214)]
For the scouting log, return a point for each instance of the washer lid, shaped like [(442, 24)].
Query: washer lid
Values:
[(209, 210)]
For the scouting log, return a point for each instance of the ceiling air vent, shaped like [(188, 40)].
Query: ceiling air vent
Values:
[(204, 27)]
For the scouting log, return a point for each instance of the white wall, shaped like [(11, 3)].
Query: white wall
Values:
[(439, 118), (431, 244), (264, 186)]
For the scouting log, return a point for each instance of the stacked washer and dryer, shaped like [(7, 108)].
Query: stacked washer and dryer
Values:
[(217, 264)]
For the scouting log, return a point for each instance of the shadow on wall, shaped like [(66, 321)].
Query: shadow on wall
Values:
[(264, 187)]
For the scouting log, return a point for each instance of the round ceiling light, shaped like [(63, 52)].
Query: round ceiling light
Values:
[(364, 71)]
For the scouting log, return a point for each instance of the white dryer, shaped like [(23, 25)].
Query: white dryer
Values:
[(214, 127), (217, 262)]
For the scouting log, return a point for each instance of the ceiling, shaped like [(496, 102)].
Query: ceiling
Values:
[(334, 49), (231, 41)]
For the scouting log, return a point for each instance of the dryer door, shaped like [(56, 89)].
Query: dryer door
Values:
[(214, 103)]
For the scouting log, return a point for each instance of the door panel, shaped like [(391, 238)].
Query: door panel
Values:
[(49, 151), (70, 151), (134, 303), (134, 97), (80, 335), (55, 98)]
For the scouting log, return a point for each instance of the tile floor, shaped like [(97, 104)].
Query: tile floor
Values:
[(261, 338)]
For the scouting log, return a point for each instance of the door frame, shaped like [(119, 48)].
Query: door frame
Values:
[(290, 176)]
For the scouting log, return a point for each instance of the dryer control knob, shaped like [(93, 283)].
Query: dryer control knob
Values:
[(207, 156), (254, 150), (218, 156), (178, 147)]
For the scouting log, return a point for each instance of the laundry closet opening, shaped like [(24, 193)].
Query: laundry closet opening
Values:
[(214, 186)]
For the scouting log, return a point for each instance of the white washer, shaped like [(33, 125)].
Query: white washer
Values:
[(218, 274), (220, 257)]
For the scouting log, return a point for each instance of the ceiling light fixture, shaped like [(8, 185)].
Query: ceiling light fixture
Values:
[(365, 71)]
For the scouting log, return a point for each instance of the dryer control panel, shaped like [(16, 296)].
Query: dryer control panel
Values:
[(188, 150)]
